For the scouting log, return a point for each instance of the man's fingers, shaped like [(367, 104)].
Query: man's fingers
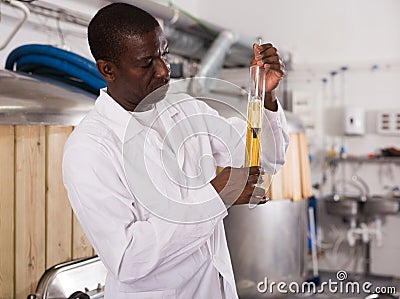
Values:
[(268, 51), (271, 59), (258, 192), (254, 170), (264, 47), (252, 181), (255, 179), (265, 53)]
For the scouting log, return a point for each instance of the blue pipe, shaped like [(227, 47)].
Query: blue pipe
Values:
[(64, 67), (68, 63)]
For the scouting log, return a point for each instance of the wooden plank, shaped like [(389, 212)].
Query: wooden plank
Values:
[(29, 208), (305, 167), (291, 170), (277, 185), (297, 195), (58, 209), (80, 244), (7, 212), (287, 183)]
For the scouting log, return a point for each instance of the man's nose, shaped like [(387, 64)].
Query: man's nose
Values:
[(162, 68)]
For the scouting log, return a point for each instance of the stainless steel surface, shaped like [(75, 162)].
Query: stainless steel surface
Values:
[(359, 207), (341, 205), (267, 241), (60, 281), (26, 99), (362, 159), (377, 205)]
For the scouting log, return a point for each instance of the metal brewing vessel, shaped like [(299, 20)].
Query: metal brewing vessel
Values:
[(269, 241)]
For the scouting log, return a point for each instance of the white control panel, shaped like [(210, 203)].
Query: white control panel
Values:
[(388, 122)]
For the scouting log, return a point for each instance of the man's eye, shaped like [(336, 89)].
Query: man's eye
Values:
[(165, 54), (147, 64)]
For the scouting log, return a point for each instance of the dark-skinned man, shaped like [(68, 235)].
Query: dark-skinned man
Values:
[(113, 166)]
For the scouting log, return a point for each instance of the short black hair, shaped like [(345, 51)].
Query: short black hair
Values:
[(112, 25)]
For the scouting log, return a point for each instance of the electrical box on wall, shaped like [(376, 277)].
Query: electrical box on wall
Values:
[(388, 123), (354, 121)]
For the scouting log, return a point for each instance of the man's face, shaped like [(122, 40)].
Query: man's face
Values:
[(141, 69)]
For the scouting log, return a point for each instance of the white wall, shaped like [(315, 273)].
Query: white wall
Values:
[(42, 30), (315, 31)]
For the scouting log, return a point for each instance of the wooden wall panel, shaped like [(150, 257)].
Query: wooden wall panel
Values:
[(29, 208), (7, 212), (277, 185), (305, 166), (58, 209), (37, 226), (291, 170)]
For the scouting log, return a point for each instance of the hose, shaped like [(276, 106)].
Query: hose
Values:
[(79, 295), (58, 64)]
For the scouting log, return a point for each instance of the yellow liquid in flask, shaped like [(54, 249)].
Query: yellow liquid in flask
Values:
[(252, 155)]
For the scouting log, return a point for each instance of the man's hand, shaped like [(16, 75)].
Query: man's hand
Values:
[(268, 56), (238, 185)]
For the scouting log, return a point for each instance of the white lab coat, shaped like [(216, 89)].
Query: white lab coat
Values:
[(147, 256)]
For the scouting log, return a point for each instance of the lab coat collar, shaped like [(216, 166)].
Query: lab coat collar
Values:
[(119, 119)]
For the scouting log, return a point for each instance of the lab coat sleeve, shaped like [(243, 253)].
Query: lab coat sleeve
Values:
[(274, 140), (129, 248)]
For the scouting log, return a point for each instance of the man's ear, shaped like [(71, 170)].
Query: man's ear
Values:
[(106, 69)]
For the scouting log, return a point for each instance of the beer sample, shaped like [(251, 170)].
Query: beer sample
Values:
[(254, 113)]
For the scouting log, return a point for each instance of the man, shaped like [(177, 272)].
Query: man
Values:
[(113, 166)]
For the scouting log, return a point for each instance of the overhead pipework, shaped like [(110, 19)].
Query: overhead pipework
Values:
[(189, 37), (25, 16), (57, 64), (212, 61), (192, 38)]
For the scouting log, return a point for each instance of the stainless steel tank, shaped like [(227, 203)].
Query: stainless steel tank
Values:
[(269, 242), (30, 100)]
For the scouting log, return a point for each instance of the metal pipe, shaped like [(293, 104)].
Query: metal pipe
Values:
[(61, 14), (185, 44), (212, 62), (24, 10), (169, 15), (241, 51), (214, 58), (356, 178)]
